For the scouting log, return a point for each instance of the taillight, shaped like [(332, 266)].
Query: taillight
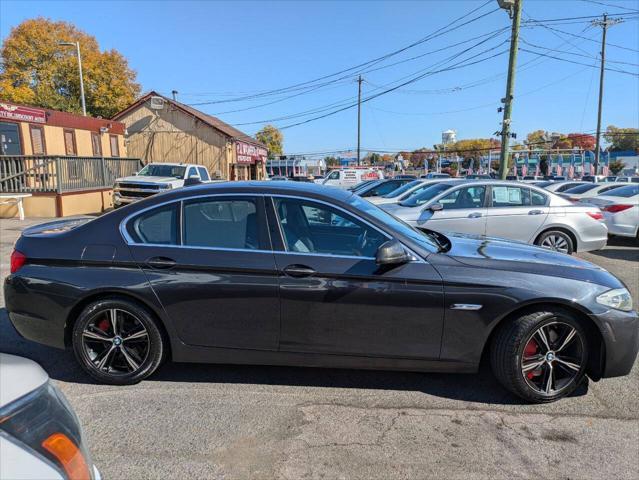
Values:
[(616, 208), (595, 215), (18, 259)]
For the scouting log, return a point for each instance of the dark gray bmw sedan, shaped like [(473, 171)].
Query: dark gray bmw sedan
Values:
[(299, 274)]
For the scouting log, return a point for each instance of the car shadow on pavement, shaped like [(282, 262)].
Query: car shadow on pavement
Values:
[(479, 388), (620, 248)]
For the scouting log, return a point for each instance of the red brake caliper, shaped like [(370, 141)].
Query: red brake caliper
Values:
[(530, 350), (104, 325)]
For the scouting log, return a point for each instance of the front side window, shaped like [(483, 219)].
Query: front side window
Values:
[(425, 195), (218, 223), (192, 173), (333, 176), (157, 226), (309, 227), (469, 197), (510, 196)]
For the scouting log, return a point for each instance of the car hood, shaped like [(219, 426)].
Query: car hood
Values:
[(145, 179), (500, 254)]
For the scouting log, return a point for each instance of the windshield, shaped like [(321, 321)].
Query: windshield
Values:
[(403, 189), (426, 195), (581, 188), (155, 170), (423, 239), (626, 192)]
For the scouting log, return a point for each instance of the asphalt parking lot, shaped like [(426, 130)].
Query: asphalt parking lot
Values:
[(227, 422)]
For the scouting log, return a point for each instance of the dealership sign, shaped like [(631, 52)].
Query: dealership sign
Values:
[(22, 114), (249, 154)]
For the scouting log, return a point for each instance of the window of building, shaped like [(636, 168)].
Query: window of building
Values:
[(216, 223), (158, 226), (96, 144), (37, 140), (115, 147), (310, 227), (10, 139), (69, 143)]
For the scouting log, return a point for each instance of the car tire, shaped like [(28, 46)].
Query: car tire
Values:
[(518, 346), (556, 240), (134, 348)]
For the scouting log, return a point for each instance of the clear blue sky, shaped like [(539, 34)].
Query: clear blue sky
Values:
[(211, 51)]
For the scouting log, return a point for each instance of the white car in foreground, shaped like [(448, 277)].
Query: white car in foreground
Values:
[(40, 435), (620, 208)]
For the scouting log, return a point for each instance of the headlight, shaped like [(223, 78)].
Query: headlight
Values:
[(619, 299), (44, 422)]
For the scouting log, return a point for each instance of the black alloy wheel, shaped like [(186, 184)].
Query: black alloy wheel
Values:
[(117, 341), (540, 356)]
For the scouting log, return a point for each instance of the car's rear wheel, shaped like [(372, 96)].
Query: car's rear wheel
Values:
[(540, 356), (117, 341), (556, 240)]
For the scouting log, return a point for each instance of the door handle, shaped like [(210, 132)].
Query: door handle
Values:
[(299, 271), (535, 212), (475, 215), (160, 262)]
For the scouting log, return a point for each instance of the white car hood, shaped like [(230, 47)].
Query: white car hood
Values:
[(145, 179), (18, 377)]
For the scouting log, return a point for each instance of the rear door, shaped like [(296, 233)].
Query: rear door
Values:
[(210, 263), (516, 213), (464, 211)]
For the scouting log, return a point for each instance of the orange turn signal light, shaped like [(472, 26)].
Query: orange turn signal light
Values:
[(68, 455)]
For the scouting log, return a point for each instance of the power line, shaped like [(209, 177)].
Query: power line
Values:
[(591, 57), (578, 63), (610, 5), (589, 39)]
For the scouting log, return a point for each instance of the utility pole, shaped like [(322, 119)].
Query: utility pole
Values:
[(514, 8), (77, 48), (604, 24), (359, 116)]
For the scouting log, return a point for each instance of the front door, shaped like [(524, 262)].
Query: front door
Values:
[(335, 299), (10, 139), (464, 211), (516, 213), (215, 276)]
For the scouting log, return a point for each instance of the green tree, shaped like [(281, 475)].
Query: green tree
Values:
[(36, 70), (331, 161), (272, 138), (621, 139), (616, 166)]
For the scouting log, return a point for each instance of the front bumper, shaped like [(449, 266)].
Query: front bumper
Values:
[(620, 331)]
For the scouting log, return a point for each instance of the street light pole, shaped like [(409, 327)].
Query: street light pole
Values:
[(359, 116), (77, 47)]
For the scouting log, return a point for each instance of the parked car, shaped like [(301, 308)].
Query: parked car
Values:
[(361, 185), (532, 178), (155, 178), (634, 179), (319, 178), (620, 210), (478, 176), (281, 274), (405, 176), (279, 178), (435, 175), (512, 178), (407, 191), (558, 187), (507, 210), (382, 187), (588, 190), (593, 178), (610, 178), (346, 178), (40, 435)]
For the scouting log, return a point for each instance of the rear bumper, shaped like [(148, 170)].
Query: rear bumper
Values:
[(624, 226), (621, 338), (593, 237)]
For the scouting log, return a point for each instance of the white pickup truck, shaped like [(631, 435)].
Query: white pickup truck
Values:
[(155, 178)]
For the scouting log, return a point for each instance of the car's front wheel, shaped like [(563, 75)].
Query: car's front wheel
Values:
[(540, 356), (117, 341)]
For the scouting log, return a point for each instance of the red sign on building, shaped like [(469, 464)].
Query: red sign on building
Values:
[(22, 114), (249, 154)]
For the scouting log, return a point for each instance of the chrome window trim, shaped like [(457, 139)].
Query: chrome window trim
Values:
[(129, 240)]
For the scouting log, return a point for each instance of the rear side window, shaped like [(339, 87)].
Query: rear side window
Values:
[(204, 175), (510, 196), (217, 223), (538, 198), (158, 226)]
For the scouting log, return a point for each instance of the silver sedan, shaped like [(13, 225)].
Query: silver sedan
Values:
[(508, 210)]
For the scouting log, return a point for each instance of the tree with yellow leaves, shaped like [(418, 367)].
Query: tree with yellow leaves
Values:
[(37, 71)]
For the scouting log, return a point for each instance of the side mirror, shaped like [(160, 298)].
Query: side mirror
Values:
[(391, 253), (435, 207)]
